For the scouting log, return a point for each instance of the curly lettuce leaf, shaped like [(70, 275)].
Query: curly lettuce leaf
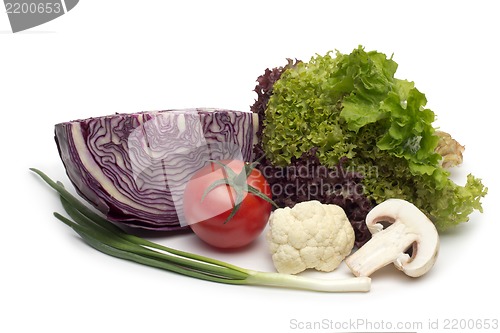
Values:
[(410, 134), (352, 106)]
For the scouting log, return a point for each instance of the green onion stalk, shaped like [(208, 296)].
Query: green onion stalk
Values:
[(106, 237)]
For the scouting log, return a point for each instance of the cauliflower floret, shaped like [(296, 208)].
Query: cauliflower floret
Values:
[(309, 235)]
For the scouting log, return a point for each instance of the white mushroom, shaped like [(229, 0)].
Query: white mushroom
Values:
[(409, 227)]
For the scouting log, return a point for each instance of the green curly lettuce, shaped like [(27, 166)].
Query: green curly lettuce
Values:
[(352, 105)]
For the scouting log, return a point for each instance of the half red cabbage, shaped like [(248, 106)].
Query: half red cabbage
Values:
[(134, 167)]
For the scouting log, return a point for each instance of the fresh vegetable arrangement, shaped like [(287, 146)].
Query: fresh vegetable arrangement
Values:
[(344, 152)]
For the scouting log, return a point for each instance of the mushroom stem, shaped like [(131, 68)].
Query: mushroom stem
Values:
[(385, 247)]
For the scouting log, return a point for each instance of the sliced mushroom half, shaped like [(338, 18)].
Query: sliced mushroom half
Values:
[(410, 241)]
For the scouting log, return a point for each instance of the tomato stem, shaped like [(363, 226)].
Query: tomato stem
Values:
[(237, 182)]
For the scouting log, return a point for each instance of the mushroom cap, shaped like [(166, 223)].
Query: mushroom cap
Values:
[(417, 227)]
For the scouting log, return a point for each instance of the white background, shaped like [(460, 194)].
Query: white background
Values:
[(126, 56)]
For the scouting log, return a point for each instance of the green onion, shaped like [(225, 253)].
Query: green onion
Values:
[(106, 237)]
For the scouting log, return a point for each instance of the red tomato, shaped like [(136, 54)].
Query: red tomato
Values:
[(206, 217)]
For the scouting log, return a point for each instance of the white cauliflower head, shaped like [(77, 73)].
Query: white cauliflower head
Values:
[(309, 235)]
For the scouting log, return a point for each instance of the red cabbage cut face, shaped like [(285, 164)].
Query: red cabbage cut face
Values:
[(134, 167)]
